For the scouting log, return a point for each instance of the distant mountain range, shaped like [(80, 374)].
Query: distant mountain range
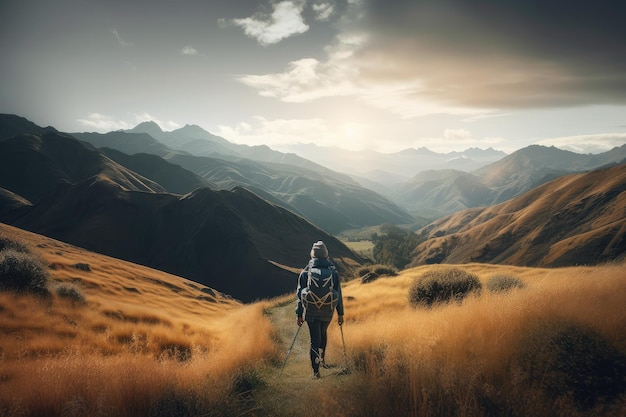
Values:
[(574, 219), (326, 198), (241, 219), (436, 193), (389, 169), (421, 182)]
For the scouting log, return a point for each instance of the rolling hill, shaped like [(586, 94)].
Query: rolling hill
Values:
[(575, 219)]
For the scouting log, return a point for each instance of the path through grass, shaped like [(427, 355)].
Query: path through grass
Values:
[(294, 391)]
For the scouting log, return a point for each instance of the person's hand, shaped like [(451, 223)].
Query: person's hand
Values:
[(340, 320), (300, 320)]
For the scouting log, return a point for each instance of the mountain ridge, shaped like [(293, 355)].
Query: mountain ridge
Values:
[(239, 242), (574, 219)]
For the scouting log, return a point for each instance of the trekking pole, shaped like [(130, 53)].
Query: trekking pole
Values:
[(289, 351), (345, 354)]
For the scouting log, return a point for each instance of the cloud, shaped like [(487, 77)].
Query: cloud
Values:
[(310, 79), (506, 55), (105, 123), (278, 131), (596, 143), (464, 57), (283, 133), (304, 80), (457, 134), (343, 74), (189, 50), (119, 39), (323, 11), (285, 21)]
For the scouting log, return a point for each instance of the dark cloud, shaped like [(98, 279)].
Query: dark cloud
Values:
[(505, 53)]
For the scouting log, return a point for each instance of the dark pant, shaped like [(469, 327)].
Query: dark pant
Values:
[(317, 330)]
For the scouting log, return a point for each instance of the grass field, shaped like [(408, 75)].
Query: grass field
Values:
[(144, 343), (362, 247)]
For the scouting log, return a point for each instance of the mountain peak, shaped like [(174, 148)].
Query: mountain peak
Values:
[(146, 127), (197, 132)]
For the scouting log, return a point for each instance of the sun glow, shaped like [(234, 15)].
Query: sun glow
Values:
[(349, 130)]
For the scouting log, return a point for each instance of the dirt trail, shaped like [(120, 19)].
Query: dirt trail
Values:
[(295, 391)]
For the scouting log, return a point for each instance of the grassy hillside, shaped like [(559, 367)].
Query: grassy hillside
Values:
[(142, 343), (573, 220), (121, 339)]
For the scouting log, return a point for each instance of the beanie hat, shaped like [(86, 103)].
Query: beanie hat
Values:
[(319, 250)]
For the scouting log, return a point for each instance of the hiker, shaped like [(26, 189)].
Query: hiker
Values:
[(319, 295)]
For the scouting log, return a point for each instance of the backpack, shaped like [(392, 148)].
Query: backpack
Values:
[(320, 294)]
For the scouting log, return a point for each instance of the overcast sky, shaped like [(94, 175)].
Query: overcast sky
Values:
[(361, 74)]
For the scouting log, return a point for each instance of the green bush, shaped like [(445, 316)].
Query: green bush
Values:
[(565, 359), (503, 283), (70, 292), (441, 286), (22, 272)]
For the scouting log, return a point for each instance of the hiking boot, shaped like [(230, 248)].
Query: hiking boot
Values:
[(316, 375)]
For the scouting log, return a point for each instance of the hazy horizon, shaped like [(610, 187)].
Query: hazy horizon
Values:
[(359, 74)]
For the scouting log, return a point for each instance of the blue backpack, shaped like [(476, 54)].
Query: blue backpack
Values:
[(320, 294)]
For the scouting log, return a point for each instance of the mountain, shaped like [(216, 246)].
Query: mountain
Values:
[(441, 192), (332, 201), (534, 165), (31, 166), (229, 240), (174, 178), (129, 143), (194, 140), (12, 125), (574, 219), (390, 168), (243, 245), (437, 193)]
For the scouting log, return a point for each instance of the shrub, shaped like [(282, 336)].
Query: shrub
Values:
[(362, 271), (369, 277), (566, 359), (82, 267), (70, 292), (370, 273), (21, 272), (503, 283), (381, 270), (442, 285), (378, 269), (10, 244)]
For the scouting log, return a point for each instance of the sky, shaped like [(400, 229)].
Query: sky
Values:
[(360, 74)]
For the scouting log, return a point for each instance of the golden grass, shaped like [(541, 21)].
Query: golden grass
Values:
[(148, 343), (142, 342), (456, 359)]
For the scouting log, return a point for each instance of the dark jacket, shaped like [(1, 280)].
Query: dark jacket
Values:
[(303, 282)]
